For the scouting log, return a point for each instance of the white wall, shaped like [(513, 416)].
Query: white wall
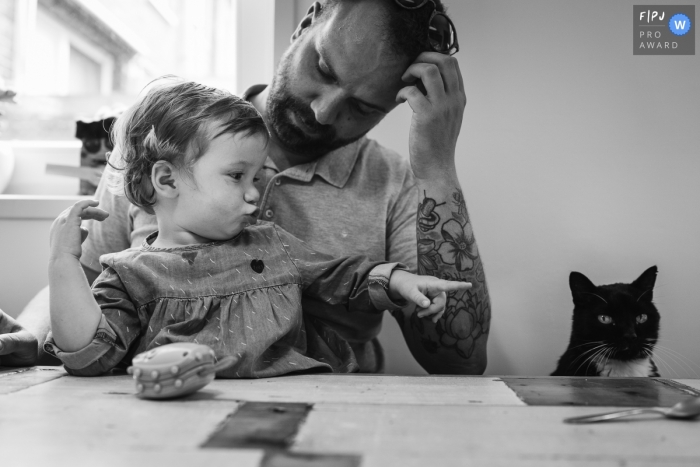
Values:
[(24, 250), (28, 205), (255, 42), (574, 155)]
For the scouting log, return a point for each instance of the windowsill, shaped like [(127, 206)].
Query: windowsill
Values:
[(35, 206), (29, 159)]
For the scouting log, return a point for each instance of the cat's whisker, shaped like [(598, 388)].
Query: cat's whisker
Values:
[(683, 365), (595, 294), (679, 355), (589, 359), (645, 292), (607, 357), (673, 372), (649, 356), (582, 363), (601, 358), (589, 351), (587, 343), (595, 357), (584, 353), (672, 368), (658, 286)]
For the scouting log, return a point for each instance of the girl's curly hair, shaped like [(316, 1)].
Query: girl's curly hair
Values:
[(168, 123)]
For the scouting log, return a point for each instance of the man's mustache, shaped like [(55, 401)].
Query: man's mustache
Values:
[(307, 116)]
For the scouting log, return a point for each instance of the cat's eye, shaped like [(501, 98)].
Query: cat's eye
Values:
[(605, 319), (641, 319)]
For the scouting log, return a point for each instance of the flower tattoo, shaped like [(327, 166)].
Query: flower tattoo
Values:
[(447, 249), (465, 321), (458, 247)]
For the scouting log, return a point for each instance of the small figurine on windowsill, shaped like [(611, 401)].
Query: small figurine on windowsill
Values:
[(93, 153), (7, 95)]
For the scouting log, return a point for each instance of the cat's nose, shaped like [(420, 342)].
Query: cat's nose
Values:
[(630, 335)]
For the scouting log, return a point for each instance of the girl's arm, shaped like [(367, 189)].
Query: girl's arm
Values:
[(350, 280), (75, 314), (427, 292)]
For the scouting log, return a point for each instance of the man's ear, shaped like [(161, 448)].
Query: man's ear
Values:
[(163, 179), (313, 12)]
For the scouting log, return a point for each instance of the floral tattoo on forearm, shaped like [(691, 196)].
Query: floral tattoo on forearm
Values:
[(447, 249)]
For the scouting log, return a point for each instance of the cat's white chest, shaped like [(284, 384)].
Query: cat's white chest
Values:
[(617, 368)]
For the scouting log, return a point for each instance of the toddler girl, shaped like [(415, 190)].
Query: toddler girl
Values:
[(212, 274)]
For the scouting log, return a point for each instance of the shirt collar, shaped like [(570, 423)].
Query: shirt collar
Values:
[(335, 167)]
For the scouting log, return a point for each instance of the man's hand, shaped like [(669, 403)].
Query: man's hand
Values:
[(437, 112), (18, 347), (427, 292)]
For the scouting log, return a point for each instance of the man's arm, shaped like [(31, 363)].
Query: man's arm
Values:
[(446, 244), (17, 346), (32, 326), (456, 344)]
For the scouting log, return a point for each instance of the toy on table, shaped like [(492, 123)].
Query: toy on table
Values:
[(175, 370)]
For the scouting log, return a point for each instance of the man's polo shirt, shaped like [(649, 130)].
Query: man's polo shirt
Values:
[(358, 200)]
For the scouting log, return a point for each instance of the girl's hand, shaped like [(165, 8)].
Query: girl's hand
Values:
[(66, 233), (427, 292)]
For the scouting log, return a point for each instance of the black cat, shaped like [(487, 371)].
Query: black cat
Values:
[(615, 328)]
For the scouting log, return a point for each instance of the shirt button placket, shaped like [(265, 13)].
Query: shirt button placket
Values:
[(269, 213)]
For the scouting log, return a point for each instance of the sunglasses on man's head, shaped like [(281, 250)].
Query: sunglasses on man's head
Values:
[(441, 32)]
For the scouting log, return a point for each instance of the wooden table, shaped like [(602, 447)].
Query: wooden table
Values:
[(49, 418)]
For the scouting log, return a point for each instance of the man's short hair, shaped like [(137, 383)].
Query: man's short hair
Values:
[(406, 31)]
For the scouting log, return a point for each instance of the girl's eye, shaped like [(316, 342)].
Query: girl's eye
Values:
[(236, 176), (641, 318), (256, 179), (605, 319)]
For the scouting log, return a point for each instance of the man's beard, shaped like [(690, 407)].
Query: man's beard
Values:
[(281, 103)]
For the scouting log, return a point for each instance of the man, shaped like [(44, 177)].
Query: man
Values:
[(349, 64)]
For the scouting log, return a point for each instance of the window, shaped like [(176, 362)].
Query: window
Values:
[(84, 59), (85, 73)]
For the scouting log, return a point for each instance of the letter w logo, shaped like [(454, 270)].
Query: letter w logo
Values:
[(680, 25)]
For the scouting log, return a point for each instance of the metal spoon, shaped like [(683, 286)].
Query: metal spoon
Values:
[(687, 409)]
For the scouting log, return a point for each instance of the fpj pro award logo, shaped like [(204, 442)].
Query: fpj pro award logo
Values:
[(664, 29)]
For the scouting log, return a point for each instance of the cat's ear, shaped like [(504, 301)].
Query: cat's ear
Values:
[(645, 283), (581, 286)]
